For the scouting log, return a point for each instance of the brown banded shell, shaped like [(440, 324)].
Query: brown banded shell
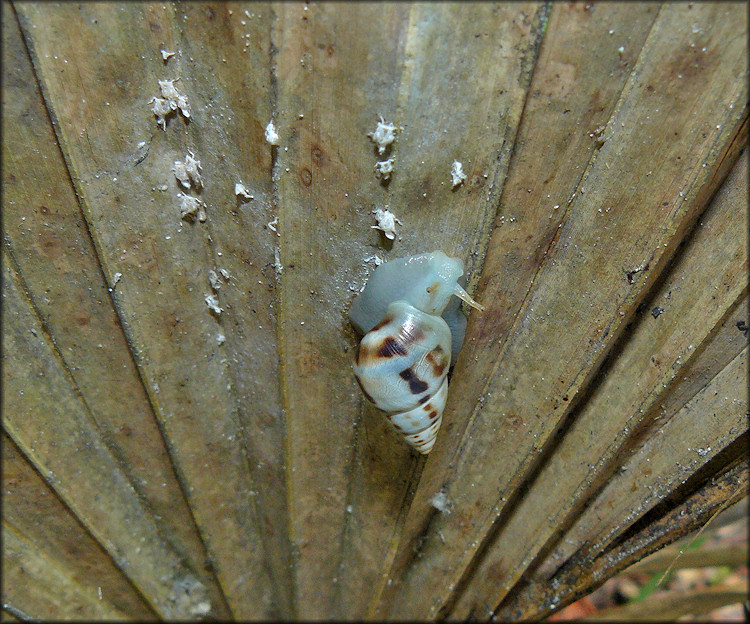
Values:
[(404, 359), (420, 425), (401, 366)]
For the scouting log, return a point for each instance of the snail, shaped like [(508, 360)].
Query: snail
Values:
[(412, 330)]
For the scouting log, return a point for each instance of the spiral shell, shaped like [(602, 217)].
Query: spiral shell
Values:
[(401, 366), (402, 362), (420, 426)]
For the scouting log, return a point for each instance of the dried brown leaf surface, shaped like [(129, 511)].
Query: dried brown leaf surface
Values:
[(190, 191)]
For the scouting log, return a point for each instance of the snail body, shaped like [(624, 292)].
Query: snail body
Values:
[(403, 359)]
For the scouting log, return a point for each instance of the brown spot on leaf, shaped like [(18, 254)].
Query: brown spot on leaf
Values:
[(308, 359), (172, 320), (497, 570), (50, 244), (269, 526), (306, 176), (514, 421), (319, 156)]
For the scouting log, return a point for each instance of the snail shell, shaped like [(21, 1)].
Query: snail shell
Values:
[(403, 359), (418, 430)]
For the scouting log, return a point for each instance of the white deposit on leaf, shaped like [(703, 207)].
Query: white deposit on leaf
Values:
[(213, 280), (166, 55), (457, 173), (271, 136), (441, 502), (176, 99), (188, 172), (240, 190), (383, 136), (384, 168), (190, 207), (171, 100), (277, 266), (272, 225), (386, 222), (213, 304), (161, 109)]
